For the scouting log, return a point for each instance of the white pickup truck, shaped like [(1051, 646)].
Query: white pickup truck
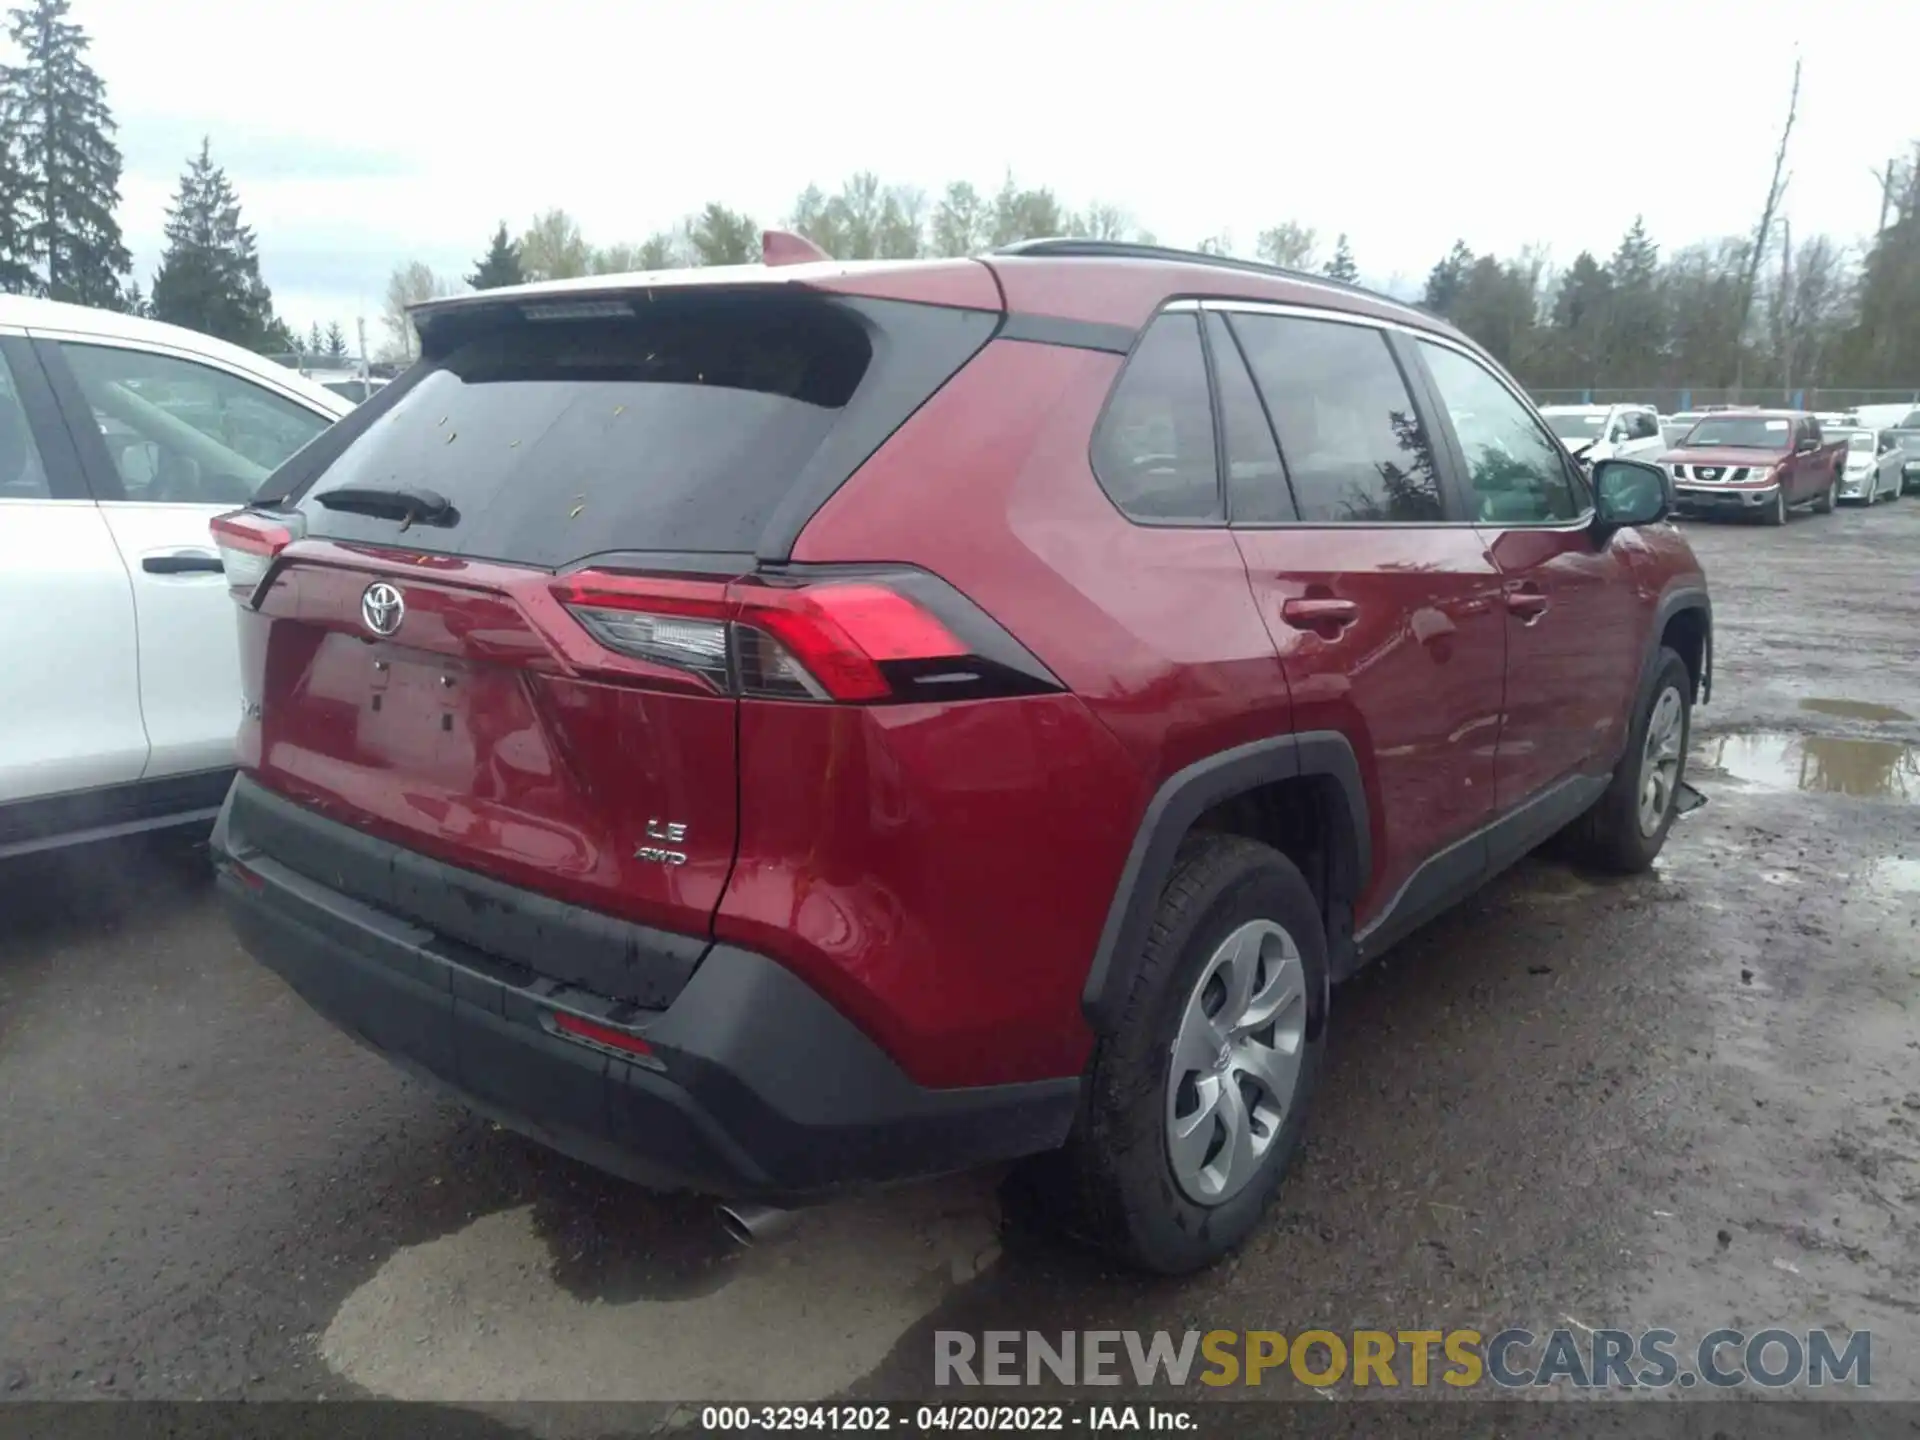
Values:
[(119, 669), (1606, 432)]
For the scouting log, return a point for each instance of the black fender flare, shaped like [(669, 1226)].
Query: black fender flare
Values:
[(1181, 799), (1672, 603)]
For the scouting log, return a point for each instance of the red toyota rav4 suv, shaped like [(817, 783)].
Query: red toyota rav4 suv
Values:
[(779, 729)]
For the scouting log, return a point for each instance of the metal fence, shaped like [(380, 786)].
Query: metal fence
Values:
[(1672, 400)]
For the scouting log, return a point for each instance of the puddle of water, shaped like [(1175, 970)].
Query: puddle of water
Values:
[(1855, 709), (1895, 876), (1820, 764)]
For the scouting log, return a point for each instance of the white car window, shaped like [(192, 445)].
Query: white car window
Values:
[(22, 476), (180, 431)]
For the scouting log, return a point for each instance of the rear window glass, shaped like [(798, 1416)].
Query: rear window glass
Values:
[(678, 430)]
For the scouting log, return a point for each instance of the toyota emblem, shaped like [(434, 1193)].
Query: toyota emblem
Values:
[(382, 608)]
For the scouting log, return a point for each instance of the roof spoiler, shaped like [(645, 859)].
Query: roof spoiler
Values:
[(784, 247)]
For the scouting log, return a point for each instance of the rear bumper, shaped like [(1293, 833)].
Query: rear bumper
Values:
[(755, 1086)]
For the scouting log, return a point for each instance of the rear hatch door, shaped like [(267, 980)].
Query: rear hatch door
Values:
[(428, 669)]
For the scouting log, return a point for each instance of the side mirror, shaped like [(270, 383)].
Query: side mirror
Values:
[(1630, 492)]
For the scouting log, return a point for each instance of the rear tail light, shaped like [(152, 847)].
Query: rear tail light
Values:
[(248, 542), (852, 641)]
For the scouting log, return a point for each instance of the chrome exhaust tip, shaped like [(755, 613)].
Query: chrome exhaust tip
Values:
[(746, 1224)]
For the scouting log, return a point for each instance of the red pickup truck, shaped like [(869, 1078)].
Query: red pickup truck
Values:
[(1755, 462)]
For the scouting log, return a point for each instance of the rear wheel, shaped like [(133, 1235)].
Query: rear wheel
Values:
[(1828, 498), (1628, 824), (1198, 1091)]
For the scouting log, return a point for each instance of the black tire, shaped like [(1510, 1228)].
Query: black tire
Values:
[(1609, 836), (1830, 497), (1776, 513), (1123, 1193)]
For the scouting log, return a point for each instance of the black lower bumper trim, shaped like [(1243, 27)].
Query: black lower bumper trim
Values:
[(763, 1090)]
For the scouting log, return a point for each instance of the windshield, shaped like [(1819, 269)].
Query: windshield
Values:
[(1575, 426), (1912, 422), (1755, 432)]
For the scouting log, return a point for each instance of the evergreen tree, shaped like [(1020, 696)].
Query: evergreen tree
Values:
[(17, 275), (313, 345), (209, 279), (336, 341), (1637, 322), (135, 302), (1447, 278), (500, 265), (719, 236), (55, 110), (1341, 266)]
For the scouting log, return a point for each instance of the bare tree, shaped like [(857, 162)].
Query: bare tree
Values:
[(1289, 245), (1776, 191), (408, 285), (1101, 221), (553, 248)]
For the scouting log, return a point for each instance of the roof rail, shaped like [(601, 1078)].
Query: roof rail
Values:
[(1067, 247)]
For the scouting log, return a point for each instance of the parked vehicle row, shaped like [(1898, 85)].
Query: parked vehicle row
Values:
[(1756, 463), (1873, 467), (1906, 437), (120, 439)]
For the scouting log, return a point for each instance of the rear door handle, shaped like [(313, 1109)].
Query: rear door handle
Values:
[(188, 562), (1318, 614)]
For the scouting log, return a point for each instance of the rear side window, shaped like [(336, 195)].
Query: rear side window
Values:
[(1256, 481), (681, 428), (1353, 443), (1153, 450)]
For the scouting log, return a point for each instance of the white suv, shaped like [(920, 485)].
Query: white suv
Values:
[(119, 676), (1605, 432)]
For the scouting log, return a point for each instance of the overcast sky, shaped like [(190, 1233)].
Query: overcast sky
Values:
[(361, 133)]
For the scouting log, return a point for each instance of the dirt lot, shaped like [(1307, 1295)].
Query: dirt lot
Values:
[(1690, 1100)]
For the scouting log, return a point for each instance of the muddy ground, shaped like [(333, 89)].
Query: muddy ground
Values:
[(1690, 1100)]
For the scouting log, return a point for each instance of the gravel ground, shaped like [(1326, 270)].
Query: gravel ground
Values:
[(1691, 1099)]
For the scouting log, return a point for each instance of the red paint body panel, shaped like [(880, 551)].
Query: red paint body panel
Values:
[(989, 487), (1414, 682), (926, 868), (963, 284), (489, 732), (1573, 663)]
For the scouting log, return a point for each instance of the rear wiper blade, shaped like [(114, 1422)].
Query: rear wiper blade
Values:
[(407, 505)]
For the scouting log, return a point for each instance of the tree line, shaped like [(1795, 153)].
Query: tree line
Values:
[(1763, 309), (865, 219), (1768, 311)]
